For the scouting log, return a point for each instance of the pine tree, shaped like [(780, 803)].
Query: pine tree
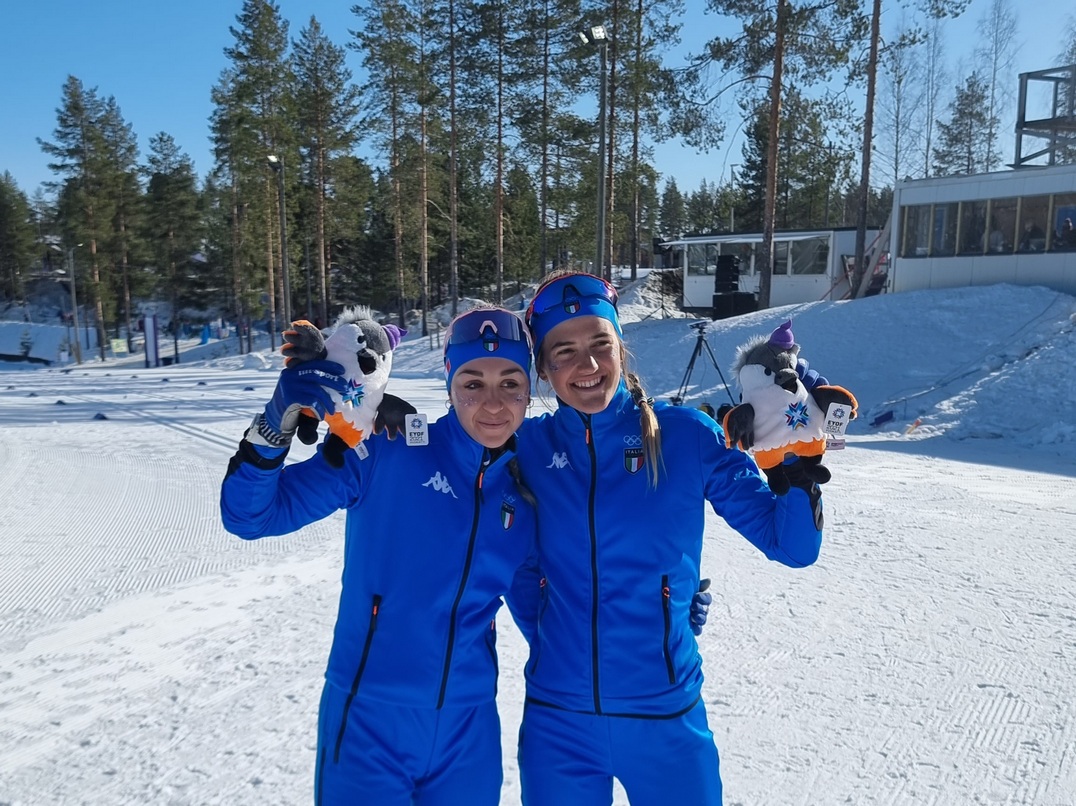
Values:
[(172, 226), (964, 142), (672, 212), (86, 205), (785, 41), (262, 103), (17, 237), (651, 27), (121, 177), (385, 38), (327, 104)]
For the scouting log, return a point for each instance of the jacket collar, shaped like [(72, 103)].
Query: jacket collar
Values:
[(620, 405), (472, 453)]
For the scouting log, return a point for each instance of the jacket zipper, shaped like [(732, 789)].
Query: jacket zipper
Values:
[(358, 674), (593, 567), (463, 578), (668, 624), (543, 601), (491, 645)]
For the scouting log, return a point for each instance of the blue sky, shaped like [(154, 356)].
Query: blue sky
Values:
[(160, 61)]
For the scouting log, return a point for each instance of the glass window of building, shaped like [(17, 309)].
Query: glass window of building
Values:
[(916, 231), (696, 258), (973, 235), (945, 219), (1034, 215), (746, 252), (810, 256), (780, 257), (1064, 221), (1002, 237)]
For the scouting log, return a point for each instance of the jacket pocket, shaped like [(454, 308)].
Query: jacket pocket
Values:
[(374, 608), (543, 601), (665, 595)]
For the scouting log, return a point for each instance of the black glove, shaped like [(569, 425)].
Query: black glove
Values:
[(739, 425), (806, 473), (392, 415), (302, 343)]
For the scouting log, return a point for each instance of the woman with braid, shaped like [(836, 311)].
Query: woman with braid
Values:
[(614, 677)]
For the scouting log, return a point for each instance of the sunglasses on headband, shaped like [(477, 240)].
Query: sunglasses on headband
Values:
[(564, 290), (487, 325)]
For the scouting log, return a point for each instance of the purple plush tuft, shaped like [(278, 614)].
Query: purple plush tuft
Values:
[(395, 335), (782, 338)]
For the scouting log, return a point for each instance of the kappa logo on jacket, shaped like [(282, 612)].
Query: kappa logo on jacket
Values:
[(560, 461), (440, 483)]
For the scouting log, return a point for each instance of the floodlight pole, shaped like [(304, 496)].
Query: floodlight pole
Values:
[(598, 36), (603, 93)]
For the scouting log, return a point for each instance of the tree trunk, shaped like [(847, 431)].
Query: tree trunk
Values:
[(498, 189), (765, 251), (453, 195), (610, 140), (319, 236), (868, 136), (635, 124)]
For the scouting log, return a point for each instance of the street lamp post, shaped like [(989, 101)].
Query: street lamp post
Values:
[(599, 37), (277, 164), (732, 199), (74, 302)]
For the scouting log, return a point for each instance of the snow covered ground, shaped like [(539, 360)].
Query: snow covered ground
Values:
[(929, 657)]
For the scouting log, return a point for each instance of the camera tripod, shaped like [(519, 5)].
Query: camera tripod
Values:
[(700, 342)]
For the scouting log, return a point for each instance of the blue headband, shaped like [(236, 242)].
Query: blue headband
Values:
[(486, 333), (568, 297)]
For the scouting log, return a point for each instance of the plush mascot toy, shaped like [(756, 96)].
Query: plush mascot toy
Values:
[(778, 417), (364, 348)]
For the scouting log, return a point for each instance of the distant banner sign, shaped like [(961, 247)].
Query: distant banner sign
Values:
[(119, 346)]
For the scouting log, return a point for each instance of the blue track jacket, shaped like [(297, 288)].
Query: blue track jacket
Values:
[(435, 535), (621, 559)]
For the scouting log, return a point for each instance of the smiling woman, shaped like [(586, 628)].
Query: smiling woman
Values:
[(487, 369), (614, 679), (414, 680)]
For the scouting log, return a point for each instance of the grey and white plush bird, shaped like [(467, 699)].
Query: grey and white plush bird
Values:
[(778, 417), (364, 349)]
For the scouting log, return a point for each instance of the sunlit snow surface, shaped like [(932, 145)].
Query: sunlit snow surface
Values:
[(929, 657)]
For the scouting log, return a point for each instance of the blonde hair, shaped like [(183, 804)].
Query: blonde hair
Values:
[(650, 429)]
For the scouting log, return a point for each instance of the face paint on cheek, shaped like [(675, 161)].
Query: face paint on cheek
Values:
[(466, 402)]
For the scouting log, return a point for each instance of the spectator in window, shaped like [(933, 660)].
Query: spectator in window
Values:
[(1034, 239), (997, 240), (1066, 236)]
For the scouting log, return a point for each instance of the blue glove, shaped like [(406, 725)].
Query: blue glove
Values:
[(810, 378), (700, 607), (304, 386)]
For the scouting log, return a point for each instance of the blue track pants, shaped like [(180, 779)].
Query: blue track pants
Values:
[(570, 759), (391, 755)]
